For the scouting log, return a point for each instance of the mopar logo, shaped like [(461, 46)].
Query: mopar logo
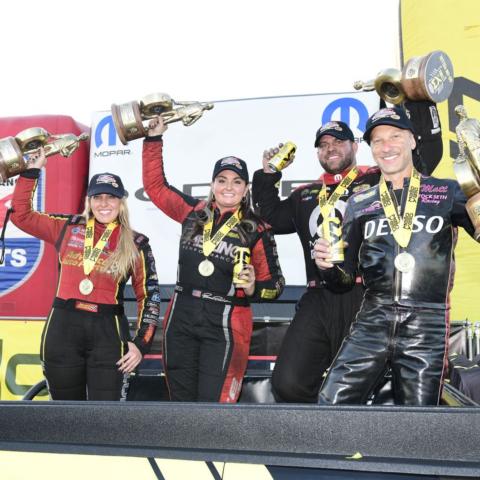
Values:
[(346, 105), (105, 130)]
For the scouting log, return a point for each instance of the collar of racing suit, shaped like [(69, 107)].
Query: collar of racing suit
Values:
[(333, 178)]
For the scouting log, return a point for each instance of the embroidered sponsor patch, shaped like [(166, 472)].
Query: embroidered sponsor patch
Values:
[(362, 196), (87, 307)]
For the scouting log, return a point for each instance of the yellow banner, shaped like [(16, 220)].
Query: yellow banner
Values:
[(20, 366), (454, 27)]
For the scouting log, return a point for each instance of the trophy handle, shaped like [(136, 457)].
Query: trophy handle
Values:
[(32, 139), (155, 104)]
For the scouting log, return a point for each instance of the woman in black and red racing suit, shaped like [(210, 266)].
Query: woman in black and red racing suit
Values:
[(86, 349), (208, 324)]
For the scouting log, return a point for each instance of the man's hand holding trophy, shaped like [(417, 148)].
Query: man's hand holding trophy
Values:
[(14, 151), (129, 117)]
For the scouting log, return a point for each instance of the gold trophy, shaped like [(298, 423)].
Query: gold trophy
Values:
[(331, 229), (467, 165), (129, 117), (422, 78), (241, 258), (285, 155), (14, 149)]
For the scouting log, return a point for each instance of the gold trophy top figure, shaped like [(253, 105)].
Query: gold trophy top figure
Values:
[(14, 149), (422, 78), (467, 165), (129, 117)]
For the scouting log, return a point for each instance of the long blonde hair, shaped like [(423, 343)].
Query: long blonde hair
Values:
[(121, 262)]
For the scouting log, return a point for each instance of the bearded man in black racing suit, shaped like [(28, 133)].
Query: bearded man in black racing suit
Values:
[(323, 317), (401, 235)]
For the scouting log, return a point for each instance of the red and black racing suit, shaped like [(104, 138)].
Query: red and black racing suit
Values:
[(208, 324), (323, 317), (403, 323), (85, 335)]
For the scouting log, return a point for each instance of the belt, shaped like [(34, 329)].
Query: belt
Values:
[(212, 296), (91, 307), (323, 283)]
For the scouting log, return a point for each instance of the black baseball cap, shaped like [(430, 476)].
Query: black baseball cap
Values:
[(106, 183), (234, 164), (336, 129), (394, 116)]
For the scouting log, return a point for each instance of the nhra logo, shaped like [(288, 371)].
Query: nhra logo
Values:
[(23, 253)]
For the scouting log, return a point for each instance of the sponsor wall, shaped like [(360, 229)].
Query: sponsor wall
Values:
[(244, 128), (452, 26)]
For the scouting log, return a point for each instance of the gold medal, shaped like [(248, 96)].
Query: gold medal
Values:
[(404, 262), (86, 286), (206, 268)]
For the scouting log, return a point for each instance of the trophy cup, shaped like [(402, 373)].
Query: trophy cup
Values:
[(422, 78), (467, 165), (14, 149), (241, 258), (129, 117)]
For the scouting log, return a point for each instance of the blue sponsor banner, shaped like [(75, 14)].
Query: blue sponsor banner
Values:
[(22, 252)]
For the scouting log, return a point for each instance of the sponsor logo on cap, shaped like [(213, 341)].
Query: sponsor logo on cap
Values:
[(107, 179), (385, 113), (331, 126), (231, 161)]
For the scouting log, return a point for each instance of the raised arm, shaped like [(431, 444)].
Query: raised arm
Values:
[(171, 201)]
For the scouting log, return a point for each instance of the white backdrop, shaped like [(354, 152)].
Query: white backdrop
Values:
[(244, 128), (78, 58)]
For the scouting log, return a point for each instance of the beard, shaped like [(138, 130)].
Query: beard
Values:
[(344, 163)]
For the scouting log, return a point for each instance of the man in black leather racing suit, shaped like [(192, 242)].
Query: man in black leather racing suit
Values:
[(400, 235), (323, 317)]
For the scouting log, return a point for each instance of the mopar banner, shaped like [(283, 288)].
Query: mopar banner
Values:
[(454, 27), (244, 128)]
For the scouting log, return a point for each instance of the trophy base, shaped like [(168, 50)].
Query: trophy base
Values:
[(473, 210), (128, 122), (429, 77), (11, 159), (466, 176)]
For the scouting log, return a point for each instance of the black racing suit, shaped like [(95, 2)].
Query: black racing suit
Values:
[(86, 335), (208, 324), (403, 323), (323, 318)]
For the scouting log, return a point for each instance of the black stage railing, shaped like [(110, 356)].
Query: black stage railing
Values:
[(427, 441)]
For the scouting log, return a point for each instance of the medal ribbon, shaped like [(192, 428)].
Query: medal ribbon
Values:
[(209, 244), (92, 253), (326, 205), (401, 228)]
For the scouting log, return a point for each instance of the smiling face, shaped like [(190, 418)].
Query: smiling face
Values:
[(392, 151), (105, 207), (336, 155), (228, 189)]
